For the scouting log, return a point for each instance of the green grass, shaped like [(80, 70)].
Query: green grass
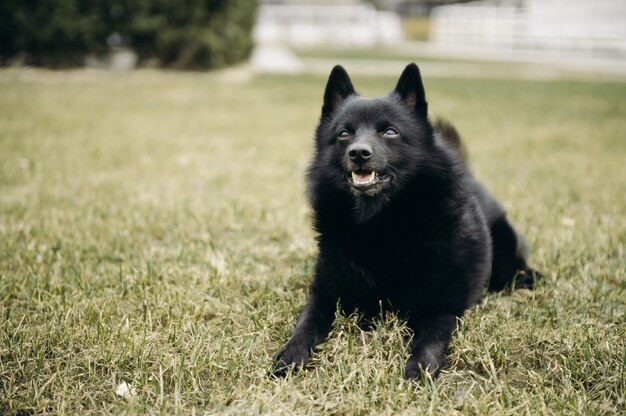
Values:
[(374, 53), (378, 59), (154, 230)]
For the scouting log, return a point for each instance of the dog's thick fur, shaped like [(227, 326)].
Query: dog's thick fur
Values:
[(402, 224)]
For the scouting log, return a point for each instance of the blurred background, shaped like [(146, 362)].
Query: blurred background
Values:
[(561, 35), (548, 36)]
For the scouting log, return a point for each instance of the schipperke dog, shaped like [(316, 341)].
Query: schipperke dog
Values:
[(403, 226)]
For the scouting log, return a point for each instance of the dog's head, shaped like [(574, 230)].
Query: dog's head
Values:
[(370, 147)]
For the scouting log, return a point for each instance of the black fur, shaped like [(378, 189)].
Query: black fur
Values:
[(419, 236)]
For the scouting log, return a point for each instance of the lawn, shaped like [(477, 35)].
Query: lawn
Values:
[(154, 234)]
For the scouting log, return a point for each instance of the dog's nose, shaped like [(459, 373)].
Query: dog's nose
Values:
[(359, 152)]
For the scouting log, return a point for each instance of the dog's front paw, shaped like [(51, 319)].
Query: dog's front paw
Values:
[(416, 368), (527, 279), (291, 356)]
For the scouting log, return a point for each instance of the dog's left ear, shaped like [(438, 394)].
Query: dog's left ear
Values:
[(411, 90)]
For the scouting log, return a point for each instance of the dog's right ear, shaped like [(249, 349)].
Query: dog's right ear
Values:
[(338, 88)]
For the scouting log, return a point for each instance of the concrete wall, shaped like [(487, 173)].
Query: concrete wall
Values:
[(309, 25)]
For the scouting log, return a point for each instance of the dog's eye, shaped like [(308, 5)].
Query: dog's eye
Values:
[(344, 134), (390, 132)]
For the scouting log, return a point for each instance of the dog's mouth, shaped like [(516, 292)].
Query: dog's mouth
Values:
[(365, 179)]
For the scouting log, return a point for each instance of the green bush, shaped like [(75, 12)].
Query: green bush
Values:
[(181, 34), (50, 32), (193, 33)]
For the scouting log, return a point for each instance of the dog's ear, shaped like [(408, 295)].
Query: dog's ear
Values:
[(411, 90), (338, 88)]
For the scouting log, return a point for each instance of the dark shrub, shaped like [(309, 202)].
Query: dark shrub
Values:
[(182, 34)]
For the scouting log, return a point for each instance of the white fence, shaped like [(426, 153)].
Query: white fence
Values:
[(308, 25), (594, 27)]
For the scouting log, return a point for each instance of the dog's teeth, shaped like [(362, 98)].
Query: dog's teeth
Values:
[(362, 178)]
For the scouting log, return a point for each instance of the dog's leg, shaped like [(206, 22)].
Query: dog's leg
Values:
[(313, 327), (509, 258), (430, 342)]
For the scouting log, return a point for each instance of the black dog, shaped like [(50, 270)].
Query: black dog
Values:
[(402, 224)]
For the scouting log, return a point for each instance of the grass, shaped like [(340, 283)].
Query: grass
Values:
[(376, 53), (380, 59), (154, 231)]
